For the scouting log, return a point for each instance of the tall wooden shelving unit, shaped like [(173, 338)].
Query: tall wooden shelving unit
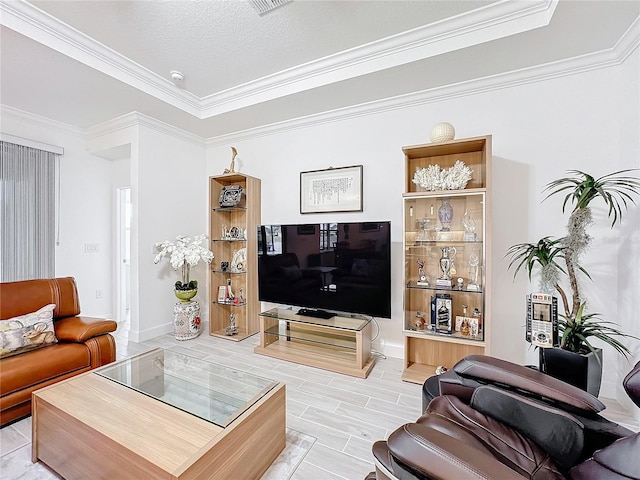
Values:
[(245, 216), (425, 347)]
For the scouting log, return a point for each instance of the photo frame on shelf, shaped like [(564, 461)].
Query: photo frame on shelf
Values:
[(331, 190), (222, 294)]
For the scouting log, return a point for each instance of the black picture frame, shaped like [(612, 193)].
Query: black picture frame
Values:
[(331, 190)]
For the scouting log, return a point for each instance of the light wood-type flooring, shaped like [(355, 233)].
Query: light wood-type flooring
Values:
[(345, 414)]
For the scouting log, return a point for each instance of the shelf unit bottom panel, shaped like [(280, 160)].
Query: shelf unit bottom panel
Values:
[(418, 372), (241, 335), (320, 356), (423, 355)]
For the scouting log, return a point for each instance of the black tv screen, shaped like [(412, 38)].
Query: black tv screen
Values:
[(340, 267)]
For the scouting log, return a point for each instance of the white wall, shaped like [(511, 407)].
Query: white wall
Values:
[(169, 198), (628, 240), (587, 121), (85, 209), (540, 130)]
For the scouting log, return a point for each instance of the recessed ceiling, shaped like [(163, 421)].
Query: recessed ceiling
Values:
[(87, 62)]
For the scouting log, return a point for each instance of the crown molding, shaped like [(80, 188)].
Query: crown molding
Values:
[(26, 142), (137, 119), (38, 120), (607, 58), (481, 25), (41, 27), (478, 26)]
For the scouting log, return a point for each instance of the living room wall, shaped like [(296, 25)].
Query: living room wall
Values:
[(587, 121), (85, 208), (540, 129)]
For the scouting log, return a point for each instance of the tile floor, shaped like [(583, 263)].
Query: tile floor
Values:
[(344, 414)]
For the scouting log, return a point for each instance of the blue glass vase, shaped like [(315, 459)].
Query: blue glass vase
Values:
[(445, 214)]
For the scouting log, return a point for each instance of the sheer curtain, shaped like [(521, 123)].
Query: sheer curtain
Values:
[(27, 212)]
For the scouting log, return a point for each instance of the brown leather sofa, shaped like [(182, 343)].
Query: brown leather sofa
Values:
[(84, 343)]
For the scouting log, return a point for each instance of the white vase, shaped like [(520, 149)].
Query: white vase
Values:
[(443, 132)]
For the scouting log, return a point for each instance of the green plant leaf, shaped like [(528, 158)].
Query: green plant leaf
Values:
[(615, 189), (576, 332)]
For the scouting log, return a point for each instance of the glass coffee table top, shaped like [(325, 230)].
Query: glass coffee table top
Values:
[(213, 392)]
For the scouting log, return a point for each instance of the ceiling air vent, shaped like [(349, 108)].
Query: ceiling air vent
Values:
[(264, 6)]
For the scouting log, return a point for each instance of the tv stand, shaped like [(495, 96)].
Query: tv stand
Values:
[(340, 343), (309, 312)]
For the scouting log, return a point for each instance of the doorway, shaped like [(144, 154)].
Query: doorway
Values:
[(123, 261)]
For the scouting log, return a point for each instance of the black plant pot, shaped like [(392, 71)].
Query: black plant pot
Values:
[(581, 370)]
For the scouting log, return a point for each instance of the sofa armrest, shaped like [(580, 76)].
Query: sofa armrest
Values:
[(80, 329)]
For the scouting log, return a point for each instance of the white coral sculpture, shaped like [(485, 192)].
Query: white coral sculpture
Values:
[(434, 178)]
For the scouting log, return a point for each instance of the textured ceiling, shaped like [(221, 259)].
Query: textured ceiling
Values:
[(87, 62)]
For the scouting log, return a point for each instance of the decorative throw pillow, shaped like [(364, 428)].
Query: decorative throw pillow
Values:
[(27, 332)]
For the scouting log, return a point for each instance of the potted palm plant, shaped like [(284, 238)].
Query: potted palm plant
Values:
[(577, 361)]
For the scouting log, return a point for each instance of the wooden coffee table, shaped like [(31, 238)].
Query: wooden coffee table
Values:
[(160, 415)]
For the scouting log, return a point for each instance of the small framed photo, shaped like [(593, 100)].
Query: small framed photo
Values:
[(331, 190), (222, 293)]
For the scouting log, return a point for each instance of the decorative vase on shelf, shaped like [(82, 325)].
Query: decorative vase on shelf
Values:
[(442, 132), (445, 214)]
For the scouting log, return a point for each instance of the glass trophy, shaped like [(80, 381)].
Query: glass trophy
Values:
[(446, 262), (469, 224), (474, 263)]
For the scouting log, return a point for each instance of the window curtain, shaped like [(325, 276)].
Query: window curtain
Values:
[(27, 213)]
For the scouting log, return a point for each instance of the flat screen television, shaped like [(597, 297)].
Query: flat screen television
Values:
[(335, 267)]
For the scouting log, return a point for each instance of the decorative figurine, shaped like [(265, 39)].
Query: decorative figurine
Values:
[(422, 277), (230, 294), (232, 167), (231, 329)]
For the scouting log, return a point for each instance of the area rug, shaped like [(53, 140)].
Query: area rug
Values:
[(298, 445), (17, 465)]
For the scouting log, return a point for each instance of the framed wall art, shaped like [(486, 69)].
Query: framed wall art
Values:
[(331, 190)]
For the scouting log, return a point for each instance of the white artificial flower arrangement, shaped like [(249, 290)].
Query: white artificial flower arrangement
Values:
[(184, 253), (434, 178)]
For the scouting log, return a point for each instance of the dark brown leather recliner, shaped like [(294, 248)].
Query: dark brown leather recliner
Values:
[(498, 420)]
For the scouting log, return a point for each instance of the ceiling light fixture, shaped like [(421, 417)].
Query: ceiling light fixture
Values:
[(176, 76)]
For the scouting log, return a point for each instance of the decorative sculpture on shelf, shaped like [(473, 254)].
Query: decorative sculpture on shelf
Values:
[(422, 277), (433, 177), (231, 329), (232, 167)]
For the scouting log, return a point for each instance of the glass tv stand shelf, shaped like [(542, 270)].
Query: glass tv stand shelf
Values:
[(340, 344)]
